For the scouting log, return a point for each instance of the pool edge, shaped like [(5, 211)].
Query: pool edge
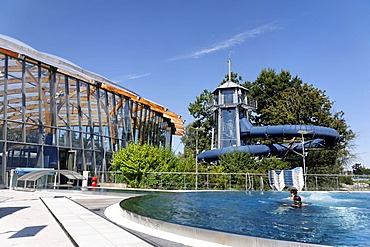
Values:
[(210, 236)]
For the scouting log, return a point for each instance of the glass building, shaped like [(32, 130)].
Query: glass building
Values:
[(54, 114)]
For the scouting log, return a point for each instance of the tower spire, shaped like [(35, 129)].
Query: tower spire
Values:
[(229, 62)]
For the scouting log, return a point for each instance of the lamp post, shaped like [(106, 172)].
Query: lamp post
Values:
[(303, 132), (196, 155)]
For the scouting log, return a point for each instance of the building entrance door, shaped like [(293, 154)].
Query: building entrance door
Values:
[(67, 161)]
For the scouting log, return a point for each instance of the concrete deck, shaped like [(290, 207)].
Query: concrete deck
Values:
[(72, 218), (84, 218), (45, 218)]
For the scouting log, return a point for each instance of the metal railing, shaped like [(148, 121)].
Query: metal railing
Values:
[(235, 181), (325, 182), (206, 181)]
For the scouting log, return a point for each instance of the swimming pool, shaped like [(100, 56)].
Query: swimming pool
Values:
[(332, 218)]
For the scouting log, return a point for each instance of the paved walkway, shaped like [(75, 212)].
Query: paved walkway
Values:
[(68, 218), (25, 220)]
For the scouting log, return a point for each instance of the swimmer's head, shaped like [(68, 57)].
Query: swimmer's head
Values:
[(293, 191), (297, 200)]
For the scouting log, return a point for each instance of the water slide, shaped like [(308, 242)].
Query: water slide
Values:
[(318, 136)]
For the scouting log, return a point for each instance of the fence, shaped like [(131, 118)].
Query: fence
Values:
[(338, 182), (236, 181), (206, 181)]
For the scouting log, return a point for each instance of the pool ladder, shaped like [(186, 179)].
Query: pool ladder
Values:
[(249, 182)]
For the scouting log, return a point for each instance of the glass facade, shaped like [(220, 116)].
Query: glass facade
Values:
[(229, 105), (228, 137), (51, 119)]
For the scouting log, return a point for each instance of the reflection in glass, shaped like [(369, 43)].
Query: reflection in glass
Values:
[(76, 139), (47, 112), (22, 156), (228, 128), (14, 132), (32, 134), (228, 96), (89, 160), (64, 138)]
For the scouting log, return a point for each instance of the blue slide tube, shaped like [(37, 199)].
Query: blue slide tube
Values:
[(324, 137)]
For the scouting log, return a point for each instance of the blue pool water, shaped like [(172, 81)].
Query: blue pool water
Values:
[(337, 219)]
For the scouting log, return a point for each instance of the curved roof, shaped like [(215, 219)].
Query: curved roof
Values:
[(15, 48), (34, 175)]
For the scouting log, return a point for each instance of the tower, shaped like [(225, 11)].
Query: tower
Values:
[(229, 105)]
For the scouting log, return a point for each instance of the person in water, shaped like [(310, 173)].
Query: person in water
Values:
[(297, 201)]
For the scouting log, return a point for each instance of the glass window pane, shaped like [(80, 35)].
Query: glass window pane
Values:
[(104, 111), (2, 131), (98, 161), (45, 98), (14, 91), (32, 93), (116, 145), (228, 96), (97, 142), (107, 144), (74, 107), (32, 134), (2, 166), (94, 110), (228, 128), (2, 81), (89, 161), (87, 140), (79, 161), (50, 157), (112, 116), (61, 101), (63, 138), (84, 107), (22, 156), (127, 122), (14, 132), (76, 139), (49, 135)]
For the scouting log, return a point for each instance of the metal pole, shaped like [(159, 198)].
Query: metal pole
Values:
[(302, 132), (207, 181), (337, 182), (196, 155), (196, 160), (304, 164)]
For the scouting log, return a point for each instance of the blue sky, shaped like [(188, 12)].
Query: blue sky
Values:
[(169, 51)]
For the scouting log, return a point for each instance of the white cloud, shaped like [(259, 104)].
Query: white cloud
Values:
[(130, 77), (233, 41)]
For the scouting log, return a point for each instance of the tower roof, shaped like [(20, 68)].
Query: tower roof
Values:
[(229, 84)]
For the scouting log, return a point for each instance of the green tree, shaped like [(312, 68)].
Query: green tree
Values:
[(298, 105), (266, 89), (284, 99), (272, 163), (136, 160), (237, 161), (192, 135), (359, 169), (323, 162)]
